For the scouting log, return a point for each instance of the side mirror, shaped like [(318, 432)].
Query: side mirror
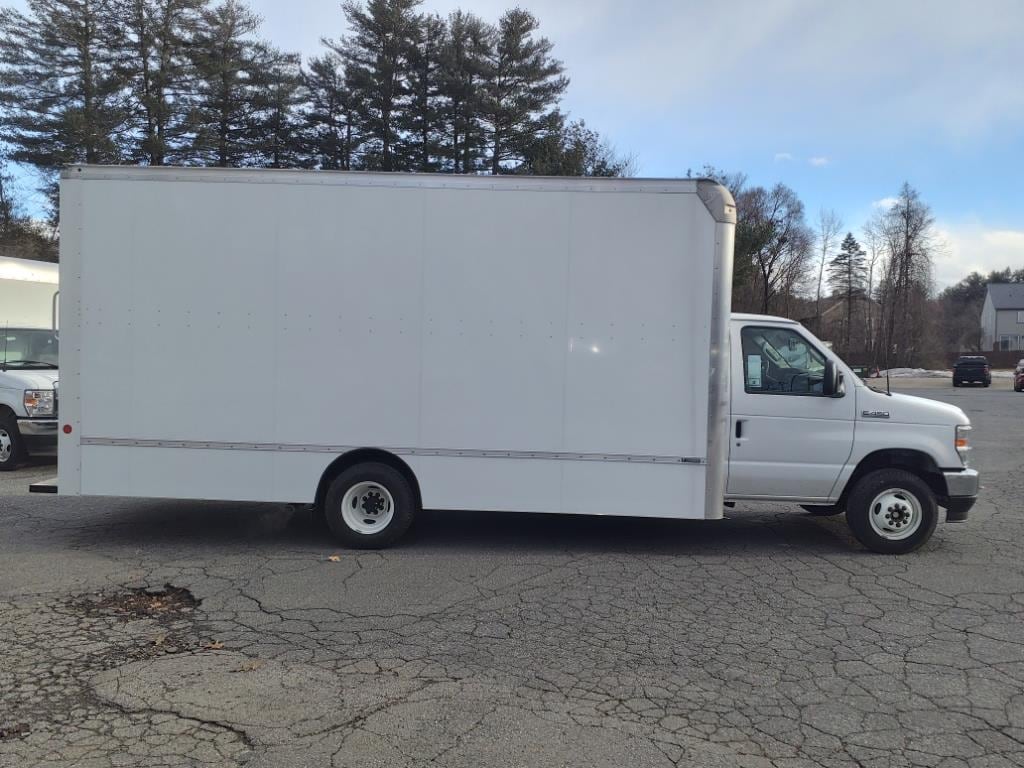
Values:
[(833, 385)]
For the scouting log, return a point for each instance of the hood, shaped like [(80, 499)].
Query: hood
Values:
[(28, 379), (909, 409)]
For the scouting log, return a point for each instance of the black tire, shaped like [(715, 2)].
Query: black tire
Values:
[(956, 383), (830, 510), (402, 513), (9, 434), (858, 512), (987, 384)]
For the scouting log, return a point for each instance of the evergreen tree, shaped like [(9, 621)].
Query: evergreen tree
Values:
[(62, 93), (465, 54), (573, 150), (377, 66), (524, 84), (225, 59), (278, 92), (329, 115), (423, 120), (847, 277), (156, 66)]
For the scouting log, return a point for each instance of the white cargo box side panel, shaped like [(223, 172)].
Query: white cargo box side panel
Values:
[(522, 344)]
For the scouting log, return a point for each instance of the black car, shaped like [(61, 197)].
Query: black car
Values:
[(971, 368)]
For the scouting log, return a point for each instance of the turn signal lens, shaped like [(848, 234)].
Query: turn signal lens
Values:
[(962, 442)]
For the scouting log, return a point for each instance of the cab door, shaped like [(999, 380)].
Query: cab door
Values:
[(787, 439)]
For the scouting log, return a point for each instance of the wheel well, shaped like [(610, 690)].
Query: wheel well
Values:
[(361, 456), (5, 411), (917, 462)]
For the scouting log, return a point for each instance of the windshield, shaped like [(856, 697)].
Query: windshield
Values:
[(28, 348)]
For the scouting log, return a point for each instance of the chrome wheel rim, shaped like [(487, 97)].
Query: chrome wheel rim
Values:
[(6, 446), (895, 514), (367, 508)]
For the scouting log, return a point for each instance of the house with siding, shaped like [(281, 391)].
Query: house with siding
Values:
[(1002, 318)]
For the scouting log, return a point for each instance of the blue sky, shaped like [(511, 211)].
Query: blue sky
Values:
[(843, 101)]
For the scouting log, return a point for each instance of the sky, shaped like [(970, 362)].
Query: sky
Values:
[(843, 100)]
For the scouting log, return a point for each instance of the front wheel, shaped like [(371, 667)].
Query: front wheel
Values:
[(11, 449), (956, 383), (892, 511), (369, 506)]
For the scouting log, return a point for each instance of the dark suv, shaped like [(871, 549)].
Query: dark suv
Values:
[(971, 368)]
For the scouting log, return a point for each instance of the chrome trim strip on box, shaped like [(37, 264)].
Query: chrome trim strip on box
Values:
[(216, 445)]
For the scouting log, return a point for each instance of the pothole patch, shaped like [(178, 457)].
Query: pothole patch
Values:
[(170, 601)]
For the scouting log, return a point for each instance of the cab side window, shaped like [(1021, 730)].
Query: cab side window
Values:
[(779, 361)]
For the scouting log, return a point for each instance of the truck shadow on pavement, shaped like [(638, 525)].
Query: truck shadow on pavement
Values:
[(223, 525)]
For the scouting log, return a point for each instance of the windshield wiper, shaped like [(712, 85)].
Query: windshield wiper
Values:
[(23, 363)]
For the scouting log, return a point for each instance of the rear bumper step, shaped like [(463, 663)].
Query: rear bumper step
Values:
[(44, 486)]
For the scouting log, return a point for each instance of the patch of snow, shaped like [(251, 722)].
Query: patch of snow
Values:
[(924, 373)]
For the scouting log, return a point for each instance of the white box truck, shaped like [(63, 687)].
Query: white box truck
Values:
[(375, 344), (28, 360)]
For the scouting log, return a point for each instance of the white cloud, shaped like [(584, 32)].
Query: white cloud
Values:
[(818, 161), (973, 247), (783, 157), (885, 203)]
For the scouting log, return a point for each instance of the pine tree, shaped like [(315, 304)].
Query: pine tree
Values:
[(847, 276), (224, 57), (62, 92), (278, 92), (465, 54), (157, 68), (524, 84), (573, 150), (329, 114), (377, 67), (423, 119)]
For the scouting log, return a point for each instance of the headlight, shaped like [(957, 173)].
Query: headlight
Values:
[(39, 402), (963, 443)]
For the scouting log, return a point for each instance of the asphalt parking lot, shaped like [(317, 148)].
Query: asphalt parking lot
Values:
[(181, 634)]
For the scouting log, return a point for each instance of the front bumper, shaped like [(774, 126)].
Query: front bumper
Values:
[(39, 436), (962, 490)]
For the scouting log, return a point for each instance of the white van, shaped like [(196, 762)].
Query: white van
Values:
[(28, 360), (379, 343)]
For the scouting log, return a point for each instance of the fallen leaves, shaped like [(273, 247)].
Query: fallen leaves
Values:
[(13, 730), (250, 666), (335, 558), (216, 645)]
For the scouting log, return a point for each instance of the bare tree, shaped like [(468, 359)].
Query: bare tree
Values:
[(775, 237), (872, 236), (827, 234), (909, 239)]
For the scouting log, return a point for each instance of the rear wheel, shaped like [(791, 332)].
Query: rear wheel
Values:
[(369, 506), (12, 451), (892, 511)]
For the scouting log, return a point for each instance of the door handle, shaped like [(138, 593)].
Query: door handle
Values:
[(739, 429)]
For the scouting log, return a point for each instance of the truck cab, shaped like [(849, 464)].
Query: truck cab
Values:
[(28, 394), (805, 429)]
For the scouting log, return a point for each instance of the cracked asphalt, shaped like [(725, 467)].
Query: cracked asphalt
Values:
[(767, 639)]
